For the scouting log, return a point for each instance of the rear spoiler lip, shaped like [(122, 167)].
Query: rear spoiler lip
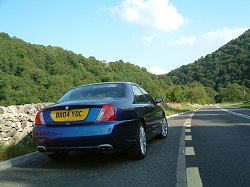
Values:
[(68, 107)]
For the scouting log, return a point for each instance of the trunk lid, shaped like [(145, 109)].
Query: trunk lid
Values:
[(73, 112)]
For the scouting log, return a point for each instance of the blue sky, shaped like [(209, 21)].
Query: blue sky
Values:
[(160, 35)]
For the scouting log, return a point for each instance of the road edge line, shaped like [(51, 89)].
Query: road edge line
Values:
[(234, 113), (181, 161), (18, 160)]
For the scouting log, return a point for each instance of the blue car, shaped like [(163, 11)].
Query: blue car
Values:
[(112, 116)]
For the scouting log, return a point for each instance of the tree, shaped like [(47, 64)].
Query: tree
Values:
[(177, 94), (227, 65), (197, 93), (35, 73), (232, 93)]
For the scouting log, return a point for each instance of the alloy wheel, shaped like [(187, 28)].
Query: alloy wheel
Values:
[(143, 144)]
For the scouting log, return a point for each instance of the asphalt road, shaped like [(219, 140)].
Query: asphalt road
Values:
[(217, 144), (221, 142), (94, 169)]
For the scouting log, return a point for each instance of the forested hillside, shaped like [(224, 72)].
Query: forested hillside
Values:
[(34, 73), (229, 64)]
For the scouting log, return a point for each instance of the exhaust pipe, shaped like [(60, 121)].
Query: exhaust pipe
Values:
[(41, 149), (106, 148)]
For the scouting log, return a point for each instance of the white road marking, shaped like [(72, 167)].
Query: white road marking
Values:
[(188, 138), (193, 177), (234, 113), (181, 162), (186, 176), (189, 151)]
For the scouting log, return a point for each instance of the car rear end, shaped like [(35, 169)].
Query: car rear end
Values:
[(84, 124), (83, 134)]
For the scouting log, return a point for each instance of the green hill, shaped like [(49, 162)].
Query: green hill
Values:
[(229, 64), (34, 73)]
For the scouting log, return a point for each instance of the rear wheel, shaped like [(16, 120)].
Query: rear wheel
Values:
[(139, 151), (58, 155)]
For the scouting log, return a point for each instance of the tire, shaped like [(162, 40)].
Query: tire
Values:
[(138, 152), (58, 155), (164, 129)]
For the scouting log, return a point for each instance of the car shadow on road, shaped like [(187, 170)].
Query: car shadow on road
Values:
[(78, 160), (95, 159), (89, 159)]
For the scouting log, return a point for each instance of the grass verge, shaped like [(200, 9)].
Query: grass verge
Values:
[(243, 105), (173, 108), (16, 149)]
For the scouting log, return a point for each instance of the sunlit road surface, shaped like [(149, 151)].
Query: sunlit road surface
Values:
[(218, 153), (216, 149)]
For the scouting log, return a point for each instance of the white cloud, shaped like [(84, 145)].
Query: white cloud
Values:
[(184, 41), (148, 38), (157, 70), (213, 39), (224, 35), (159, 14)]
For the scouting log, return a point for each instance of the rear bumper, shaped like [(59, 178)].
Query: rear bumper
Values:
[(119, 134)]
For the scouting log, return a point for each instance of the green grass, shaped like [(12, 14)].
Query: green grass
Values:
[(2, 152), (243, 105), (16, 149), (174, 108)]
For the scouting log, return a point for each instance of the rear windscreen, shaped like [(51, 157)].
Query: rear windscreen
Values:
[(95, 91)]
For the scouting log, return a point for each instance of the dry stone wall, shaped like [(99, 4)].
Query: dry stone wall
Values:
[(17, 121)]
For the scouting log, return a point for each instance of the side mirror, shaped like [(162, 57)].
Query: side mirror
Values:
[(158, 100)]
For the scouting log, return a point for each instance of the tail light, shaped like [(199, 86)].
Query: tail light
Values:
[(107, 113), (39, 120)]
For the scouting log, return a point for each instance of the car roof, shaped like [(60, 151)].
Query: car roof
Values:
[(99, 83)]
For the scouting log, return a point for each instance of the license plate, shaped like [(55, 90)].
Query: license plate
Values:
[(69, 115)]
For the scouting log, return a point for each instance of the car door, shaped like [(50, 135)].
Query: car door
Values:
[(146, 109), (156, 112)]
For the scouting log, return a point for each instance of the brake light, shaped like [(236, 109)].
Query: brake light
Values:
[(39, 118), (107, 113)]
